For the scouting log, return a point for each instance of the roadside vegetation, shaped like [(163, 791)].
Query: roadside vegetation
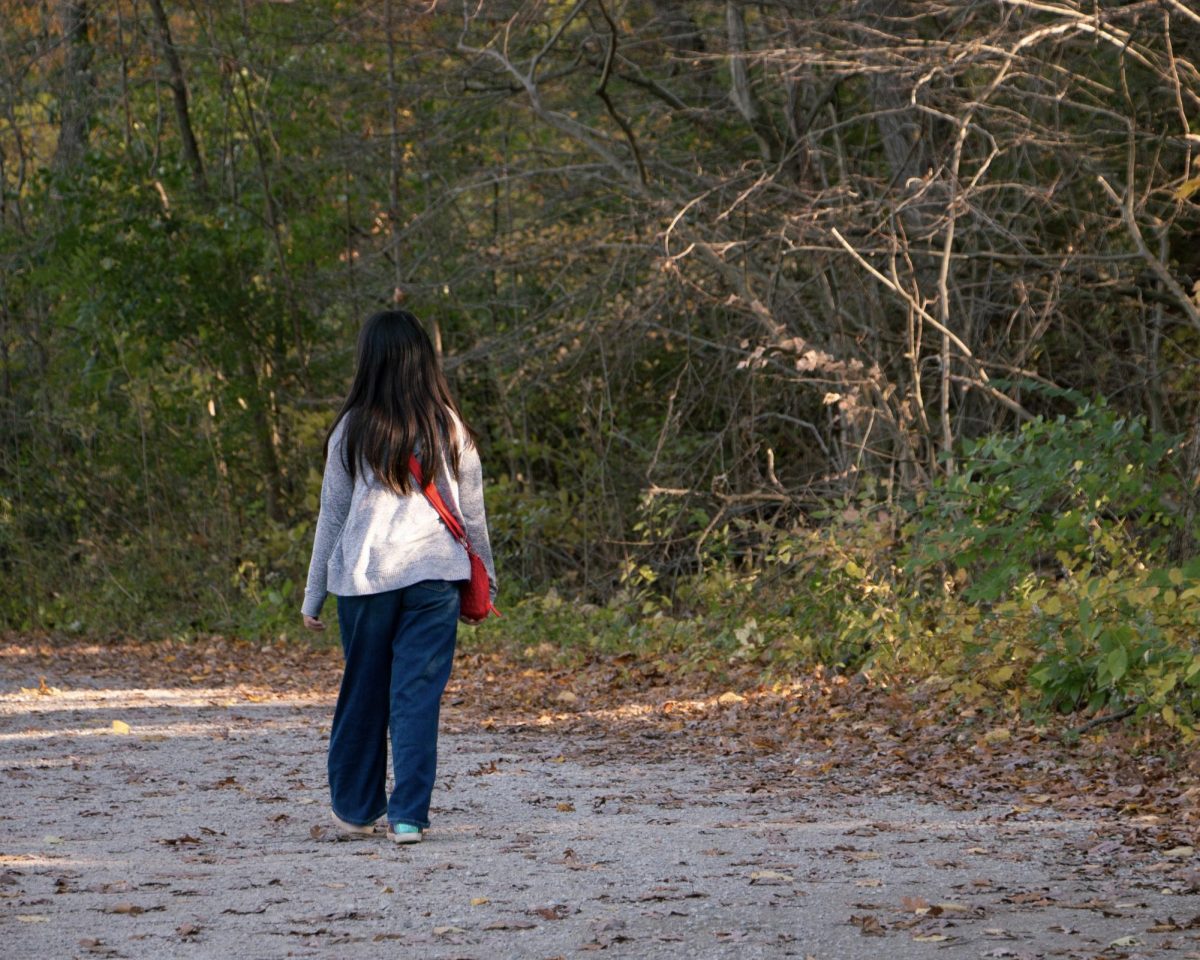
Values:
[(851, 336)]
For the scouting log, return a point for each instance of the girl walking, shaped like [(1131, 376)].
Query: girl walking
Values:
[(383, 550)]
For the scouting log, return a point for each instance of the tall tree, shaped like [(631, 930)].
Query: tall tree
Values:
[(179, 97), (78, 86)]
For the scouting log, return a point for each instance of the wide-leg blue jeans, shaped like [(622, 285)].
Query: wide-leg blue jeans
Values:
[(399, 646)]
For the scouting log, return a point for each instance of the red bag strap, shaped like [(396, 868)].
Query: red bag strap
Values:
[(438, 504)]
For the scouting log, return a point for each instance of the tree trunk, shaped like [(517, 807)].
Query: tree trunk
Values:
[(742, 94), (191, 150), (77, 95), (268, 460), (679, 27)]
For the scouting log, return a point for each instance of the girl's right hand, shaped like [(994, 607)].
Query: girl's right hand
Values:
[(313, 623), (471, 623)]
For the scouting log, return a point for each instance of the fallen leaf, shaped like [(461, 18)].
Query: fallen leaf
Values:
[(770, 877), (1167, 926), (571, 861), (117, 886), (120, 726), (868, 925), (918, 905)]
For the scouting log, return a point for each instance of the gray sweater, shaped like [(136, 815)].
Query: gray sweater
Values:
[(369, 539)]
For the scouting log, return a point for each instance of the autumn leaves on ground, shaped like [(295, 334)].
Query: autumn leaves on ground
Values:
[(167, 799)]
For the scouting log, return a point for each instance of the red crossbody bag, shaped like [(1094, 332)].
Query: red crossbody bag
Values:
[(475, 596)]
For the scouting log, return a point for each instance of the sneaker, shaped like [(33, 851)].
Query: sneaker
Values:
[(404, 833), (352, 829)]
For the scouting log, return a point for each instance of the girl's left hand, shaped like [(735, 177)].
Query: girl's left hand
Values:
[(313, 623), (471, 623)]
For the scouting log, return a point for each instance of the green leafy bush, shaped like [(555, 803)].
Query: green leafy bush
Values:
[(1094, 486), (1051, 546)]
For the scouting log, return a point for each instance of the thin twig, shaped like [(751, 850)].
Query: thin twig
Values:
[(1135, 233), (1101, 721), (602, 93)]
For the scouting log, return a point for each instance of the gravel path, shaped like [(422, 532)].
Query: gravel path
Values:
[(201, 830)]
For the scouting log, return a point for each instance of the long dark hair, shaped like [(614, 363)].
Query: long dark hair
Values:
[(399, 397)]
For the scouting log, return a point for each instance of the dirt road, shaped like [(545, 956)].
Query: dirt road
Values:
[(191, 822)]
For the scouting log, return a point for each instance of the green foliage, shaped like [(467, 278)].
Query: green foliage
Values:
[(1093, 639), (1049, 549), (1091, 486), (1035, 578)]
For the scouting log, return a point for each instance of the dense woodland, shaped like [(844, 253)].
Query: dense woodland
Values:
[(860, 332)]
